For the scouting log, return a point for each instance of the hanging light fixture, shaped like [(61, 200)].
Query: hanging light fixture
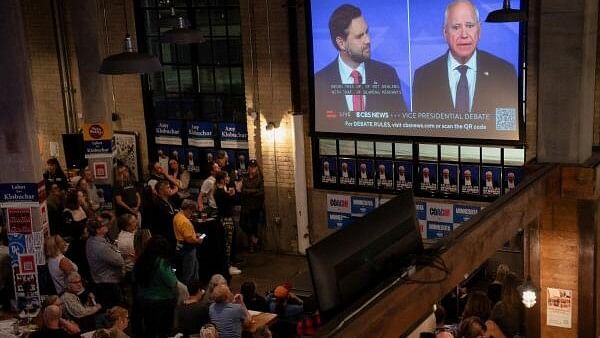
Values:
[(506, 14), (129, 61), (182, 35)]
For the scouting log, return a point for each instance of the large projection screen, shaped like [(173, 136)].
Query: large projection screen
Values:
[(401, 69)]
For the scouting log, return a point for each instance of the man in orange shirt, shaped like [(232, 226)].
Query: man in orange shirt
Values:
[(187, 240)]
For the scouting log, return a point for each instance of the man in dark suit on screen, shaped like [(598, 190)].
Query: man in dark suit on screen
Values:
[(464, 79), (353, 66)]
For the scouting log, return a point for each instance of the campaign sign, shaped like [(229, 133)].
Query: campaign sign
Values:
[(200, 134), (35, 245), (384, 174), (338, 220), (19, 220), (463, 213), (421, 207), (339, 203), (423, 229), (428, 176), (16, 246), (19, 195), (209, 155), (365, 173), (27, 291), (168, 132), (347, 171), (511, 178), (328, 170), (490, 181), (404, 178), (192, 160), (241, 161), (448, 178), (177, 153), (107, 195), (440, 212), (469, 179), (436, 230), (27, 263), (98, 148), (233, 135), (362, 205), (162, 153)]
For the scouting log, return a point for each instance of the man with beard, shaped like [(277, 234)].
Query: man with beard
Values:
[(350, 36)]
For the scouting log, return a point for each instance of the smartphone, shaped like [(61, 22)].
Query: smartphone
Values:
[(202, 236)]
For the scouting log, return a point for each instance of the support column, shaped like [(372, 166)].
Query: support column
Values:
[(567, 66), (20, 168)]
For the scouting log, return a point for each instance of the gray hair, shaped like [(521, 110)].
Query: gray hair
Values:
[(189, 205), (73, 275), (454, 3), (215, 281)]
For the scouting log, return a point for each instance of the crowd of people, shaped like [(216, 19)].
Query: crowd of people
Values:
[(496, 313), (148, 256)]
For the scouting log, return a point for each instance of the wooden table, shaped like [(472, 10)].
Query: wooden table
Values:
[(260, 319)]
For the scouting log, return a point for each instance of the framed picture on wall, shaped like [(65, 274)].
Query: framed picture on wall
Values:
[(127, 153)]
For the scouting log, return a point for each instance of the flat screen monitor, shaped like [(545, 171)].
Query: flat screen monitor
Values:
[(415, 68), (360, 257)]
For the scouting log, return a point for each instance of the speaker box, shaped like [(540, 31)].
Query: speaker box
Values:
[(74, 151)]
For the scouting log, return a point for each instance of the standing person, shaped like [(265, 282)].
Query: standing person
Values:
[(349, 32), (182, 179), (163, 223), (225, 199), (206, 198), (95, 196), (156, 287), (228, 313), (127, 197), (252, 199), (56, 205), (465, 78), (55, 174), (187, 240), (74, 217), (128, 225), (82, 186), (58, 265), (106, 265)]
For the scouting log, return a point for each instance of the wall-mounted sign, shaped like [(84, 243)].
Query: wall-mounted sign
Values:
[(559, 308), (19, 220), (19, 195), (233, 135), (97, 139), (200, 134), (101, 170), (168, 132)]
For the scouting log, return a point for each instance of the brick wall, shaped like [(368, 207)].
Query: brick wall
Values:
[(45, 77)]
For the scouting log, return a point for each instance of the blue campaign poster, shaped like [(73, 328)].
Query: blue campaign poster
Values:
[(449, 178), (16, 246), (18, 194), (168, 132), (428, 176), (347, 171), (365, 173), (490, 181), (384, 174), (336, 220), (404, 175), (463, 213), (233, 135), (362, 205), (200, 134), (512, 176), (469, 179), (328, 169)]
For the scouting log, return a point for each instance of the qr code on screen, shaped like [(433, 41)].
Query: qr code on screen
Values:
[(506, 119)]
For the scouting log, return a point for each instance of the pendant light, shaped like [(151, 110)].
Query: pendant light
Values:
[(528, 290), (506, 14), (182, 35), (129, 61)]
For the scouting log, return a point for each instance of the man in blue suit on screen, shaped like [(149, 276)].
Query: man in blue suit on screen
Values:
[(350, 35), (465, 79)]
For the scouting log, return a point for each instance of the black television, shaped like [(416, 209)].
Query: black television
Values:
[(362, 256)]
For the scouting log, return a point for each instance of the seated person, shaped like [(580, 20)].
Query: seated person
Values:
[(285, 304), (118, 320), (192, 314), (54, 325), (80, 303), (252, 300), (228, 313)]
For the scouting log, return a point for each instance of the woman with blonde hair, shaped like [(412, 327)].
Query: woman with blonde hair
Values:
[(58, 265), (118, 320), (209, 331)]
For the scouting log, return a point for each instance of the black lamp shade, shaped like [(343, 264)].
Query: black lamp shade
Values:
[(130, 63), (182, 36)]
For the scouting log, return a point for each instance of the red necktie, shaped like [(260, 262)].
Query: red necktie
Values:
[(358, 101)]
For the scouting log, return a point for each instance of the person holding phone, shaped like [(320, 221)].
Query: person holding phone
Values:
[(187, 240)]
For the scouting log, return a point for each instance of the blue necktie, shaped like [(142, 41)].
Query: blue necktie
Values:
[(462, 90)]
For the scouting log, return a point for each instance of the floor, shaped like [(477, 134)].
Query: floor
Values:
[(268, 270)]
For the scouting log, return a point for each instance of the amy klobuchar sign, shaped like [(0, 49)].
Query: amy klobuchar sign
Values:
[(18, 194), (200, 134), (168, 132), (233, 135)]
